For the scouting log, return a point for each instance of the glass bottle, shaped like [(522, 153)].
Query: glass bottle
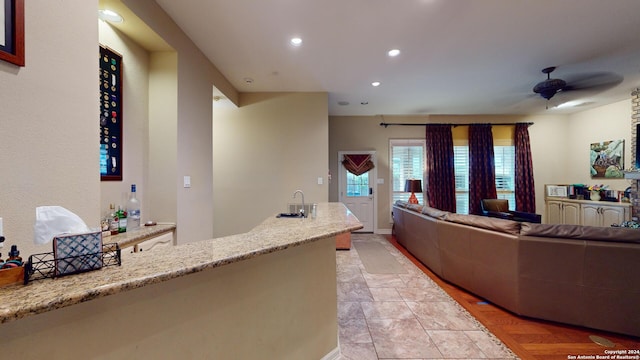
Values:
[(122, 219), (133, 210), (14, 254), (114, 222)]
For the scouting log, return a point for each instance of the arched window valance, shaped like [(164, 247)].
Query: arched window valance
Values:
[(357, 164)]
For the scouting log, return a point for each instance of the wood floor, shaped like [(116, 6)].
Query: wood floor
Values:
[(531, 339)]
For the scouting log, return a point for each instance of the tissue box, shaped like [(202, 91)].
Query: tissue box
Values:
[(76, 253)]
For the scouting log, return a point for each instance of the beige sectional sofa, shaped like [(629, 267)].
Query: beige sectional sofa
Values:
[(579, 275)]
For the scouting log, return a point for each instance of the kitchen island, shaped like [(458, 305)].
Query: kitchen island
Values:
[(268, 293)]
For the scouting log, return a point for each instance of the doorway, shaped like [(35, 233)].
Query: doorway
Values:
[(357, 191)]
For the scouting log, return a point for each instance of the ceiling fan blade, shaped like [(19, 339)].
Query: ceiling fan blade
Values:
[(593, 82)]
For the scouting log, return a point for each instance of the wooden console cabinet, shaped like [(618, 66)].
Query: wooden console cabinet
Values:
[(586, 212)]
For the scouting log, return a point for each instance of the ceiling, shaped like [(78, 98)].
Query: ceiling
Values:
[(457, 56)]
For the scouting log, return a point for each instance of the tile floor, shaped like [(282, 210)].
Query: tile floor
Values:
[(404, 316)]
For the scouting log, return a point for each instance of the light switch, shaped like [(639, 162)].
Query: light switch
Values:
[(187, 181), (320, 180)]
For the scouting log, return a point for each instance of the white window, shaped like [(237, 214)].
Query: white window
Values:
[(461, 173), (407, 162), (504, 158)]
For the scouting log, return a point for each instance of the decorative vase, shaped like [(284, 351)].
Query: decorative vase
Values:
[(595, 195)]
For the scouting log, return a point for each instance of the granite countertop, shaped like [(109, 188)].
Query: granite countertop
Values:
[(145, 268)]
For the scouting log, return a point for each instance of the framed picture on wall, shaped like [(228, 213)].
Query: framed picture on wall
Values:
[(607, 159), (110, 75), (12, 31), (556, 191)]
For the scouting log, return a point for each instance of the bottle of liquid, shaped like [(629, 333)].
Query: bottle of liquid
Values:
[(133, 210), (114, 222), (14, 254), (105, 222), (122, 220)]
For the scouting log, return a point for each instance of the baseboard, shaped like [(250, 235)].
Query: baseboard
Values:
[(333, 354), (383, 231)]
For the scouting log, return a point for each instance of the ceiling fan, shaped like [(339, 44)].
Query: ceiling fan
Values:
[(548, 88), (594, 82)]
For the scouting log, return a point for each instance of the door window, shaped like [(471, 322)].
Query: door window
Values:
[(357, 185)]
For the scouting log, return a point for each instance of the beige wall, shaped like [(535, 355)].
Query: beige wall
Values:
[(49, 122), (272, 145), (610, 122), (135, 125), (353, 133), (161, 202), (196, 77), (559, 145)]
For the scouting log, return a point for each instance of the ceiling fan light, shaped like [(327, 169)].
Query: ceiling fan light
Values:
[(549, 87), (569, 104)]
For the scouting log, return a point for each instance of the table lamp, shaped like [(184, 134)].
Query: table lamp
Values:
[(413, 186)]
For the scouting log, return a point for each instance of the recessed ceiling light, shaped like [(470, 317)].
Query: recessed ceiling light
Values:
[(364, 103), (394, 52), (296, 41), (343, 103), (375, 83), (110, 16), (248, 80)]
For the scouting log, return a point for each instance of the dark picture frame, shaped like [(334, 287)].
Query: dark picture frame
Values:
[(12, 43), (637, 163), (110, 92)]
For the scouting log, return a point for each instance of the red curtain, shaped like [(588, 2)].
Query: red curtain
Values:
[(525, 189), (482, 177), (441, 186), (357, 164)]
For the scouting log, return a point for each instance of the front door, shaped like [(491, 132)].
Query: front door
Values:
[(357, 191)]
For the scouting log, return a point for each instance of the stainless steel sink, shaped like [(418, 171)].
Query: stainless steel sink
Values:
[(289, 215)]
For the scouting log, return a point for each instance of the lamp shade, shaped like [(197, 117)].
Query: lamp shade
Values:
[(413, 186)]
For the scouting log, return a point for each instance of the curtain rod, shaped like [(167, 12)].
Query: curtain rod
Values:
[(454, 125)]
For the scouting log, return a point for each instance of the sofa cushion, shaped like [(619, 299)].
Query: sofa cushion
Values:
[(401, 203), (434, 213), (489, 223), (581, 232), (415, 207)]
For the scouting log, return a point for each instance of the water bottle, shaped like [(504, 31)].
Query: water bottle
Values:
[(133, 210)]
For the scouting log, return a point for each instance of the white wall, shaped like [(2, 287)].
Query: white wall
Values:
[(272, 145), (49, 120)]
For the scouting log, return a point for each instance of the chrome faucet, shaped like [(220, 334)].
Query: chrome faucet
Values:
[(301, 210)]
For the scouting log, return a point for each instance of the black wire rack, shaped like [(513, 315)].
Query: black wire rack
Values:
[(46, 266)]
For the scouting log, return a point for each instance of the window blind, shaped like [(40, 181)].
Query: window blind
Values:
[(504, 157), (407, 162)]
